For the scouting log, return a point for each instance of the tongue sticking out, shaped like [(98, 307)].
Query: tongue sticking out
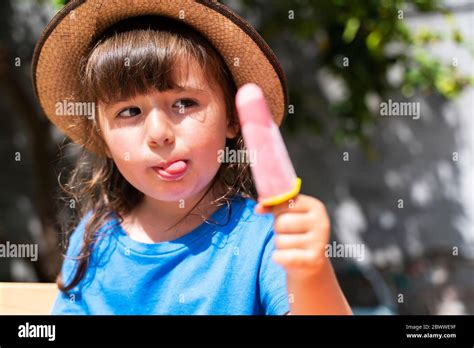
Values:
[(176, 167)]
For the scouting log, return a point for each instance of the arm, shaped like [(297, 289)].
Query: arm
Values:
[(320, 294)]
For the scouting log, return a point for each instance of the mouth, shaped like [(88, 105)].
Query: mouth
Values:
[(172, 171)]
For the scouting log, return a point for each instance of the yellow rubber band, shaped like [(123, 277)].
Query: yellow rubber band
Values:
[(283, 197)]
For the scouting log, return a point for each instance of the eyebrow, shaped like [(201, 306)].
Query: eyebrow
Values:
[(177, 89), (188, 88)]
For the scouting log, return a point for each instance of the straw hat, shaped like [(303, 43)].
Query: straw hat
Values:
[(73, 30)]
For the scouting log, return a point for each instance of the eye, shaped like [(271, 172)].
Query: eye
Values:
[(184, 104), (129, 112)]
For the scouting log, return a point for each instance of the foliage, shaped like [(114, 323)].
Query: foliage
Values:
[(375, 37)]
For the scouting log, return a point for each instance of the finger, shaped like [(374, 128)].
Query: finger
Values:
[(292, 205), (294, 223), (299, 204), (275, 209), (291, 241), (298, 258)]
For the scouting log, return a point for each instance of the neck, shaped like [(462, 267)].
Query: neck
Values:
[(155, 221)]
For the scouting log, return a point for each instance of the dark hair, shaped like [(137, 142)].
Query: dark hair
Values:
[(153, 45)]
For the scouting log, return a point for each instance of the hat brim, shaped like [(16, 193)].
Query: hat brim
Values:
[(69, 35)]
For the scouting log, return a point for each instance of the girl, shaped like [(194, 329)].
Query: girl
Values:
[(164, 226)]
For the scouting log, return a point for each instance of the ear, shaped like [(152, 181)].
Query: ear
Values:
[(107, 152), (232, 130), (98, 129), (103, 145)]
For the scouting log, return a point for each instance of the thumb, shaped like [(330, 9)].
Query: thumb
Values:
[(261, 209)]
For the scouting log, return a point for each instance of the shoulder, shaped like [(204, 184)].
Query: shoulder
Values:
[(245, 209), (257, 228), (79, 233)]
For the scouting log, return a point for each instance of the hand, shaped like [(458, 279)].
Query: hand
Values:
[(302, 230)]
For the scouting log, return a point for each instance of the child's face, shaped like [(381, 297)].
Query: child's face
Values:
[(190, 125)]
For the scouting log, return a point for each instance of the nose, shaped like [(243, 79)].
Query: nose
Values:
[(159, 130)]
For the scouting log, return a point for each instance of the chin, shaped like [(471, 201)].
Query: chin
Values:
[(174, 192)]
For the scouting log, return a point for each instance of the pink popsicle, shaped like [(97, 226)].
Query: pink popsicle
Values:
[(272, 170)]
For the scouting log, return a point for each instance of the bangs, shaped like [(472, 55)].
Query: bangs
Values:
[(143, 54)]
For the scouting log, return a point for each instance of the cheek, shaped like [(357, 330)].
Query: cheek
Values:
[(122, 144), (205, 142), (124, 148)]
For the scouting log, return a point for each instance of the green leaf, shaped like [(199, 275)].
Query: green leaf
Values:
[(373, 40), (352, 27)]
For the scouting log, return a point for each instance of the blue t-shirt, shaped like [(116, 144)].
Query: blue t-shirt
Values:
[(218, 268)]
